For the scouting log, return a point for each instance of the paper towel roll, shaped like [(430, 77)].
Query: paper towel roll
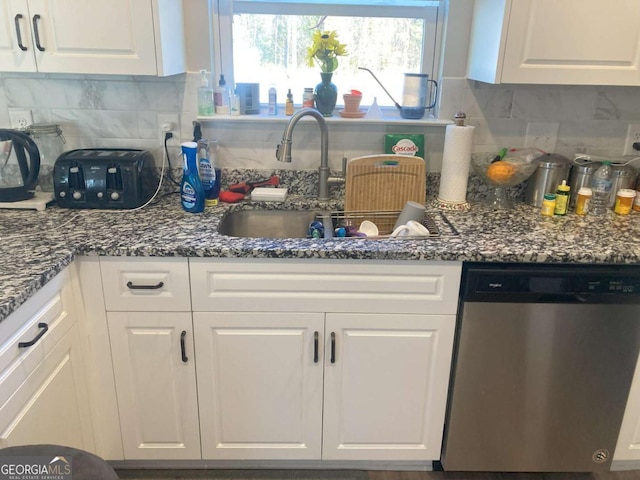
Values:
[(456, 160)]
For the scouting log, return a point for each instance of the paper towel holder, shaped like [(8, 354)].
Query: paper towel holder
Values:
[(459, 206)]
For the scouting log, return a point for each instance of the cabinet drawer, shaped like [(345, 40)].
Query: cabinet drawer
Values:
[(146, 284), (324, 286), (43, 320)]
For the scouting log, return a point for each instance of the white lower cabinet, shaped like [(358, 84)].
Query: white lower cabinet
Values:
[(281, 360), (154, 370), (262, 378), (385, 386), (259, 386), (43, 388)]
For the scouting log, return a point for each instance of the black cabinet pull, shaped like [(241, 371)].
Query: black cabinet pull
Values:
[(131, 286), (315, 346), (44, 327), (333, 347), (17, 19), (183, 347), (36, 32)]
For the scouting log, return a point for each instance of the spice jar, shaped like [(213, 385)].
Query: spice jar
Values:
[(583, 201), (548, 204), (624, 200)]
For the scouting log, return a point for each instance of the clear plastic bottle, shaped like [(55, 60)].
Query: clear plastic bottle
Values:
[(601, 185), (273, 101), (208, 171), (221, 97), (205, 96)]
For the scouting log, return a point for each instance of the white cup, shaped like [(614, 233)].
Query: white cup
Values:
[(411, 229), (410, 211), (370, 229)]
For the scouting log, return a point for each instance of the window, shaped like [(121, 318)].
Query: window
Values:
[(265, 42)]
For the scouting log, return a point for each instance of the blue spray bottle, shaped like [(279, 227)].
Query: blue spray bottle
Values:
[(191, 192)]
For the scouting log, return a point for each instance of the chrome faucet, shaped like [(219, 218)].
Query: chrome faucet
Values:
[(283, 152)]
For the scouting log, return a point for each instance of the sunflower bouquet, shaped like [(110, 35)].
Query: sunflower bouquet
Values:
[(325, 50)]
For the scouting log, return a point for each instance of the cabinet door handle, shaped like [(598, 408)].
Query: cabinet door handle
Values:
[(17, 19), (333, 347), (131, 286), (36, 32), (43, 329), (183, 348), (316, 336)]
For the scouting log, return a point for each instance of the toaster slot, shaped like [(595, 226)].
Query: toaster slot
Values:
[(77, 184), (114, 183)]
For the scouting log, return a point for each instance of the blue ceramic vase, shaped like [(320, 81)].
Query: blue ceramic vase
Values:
[(326, 95)]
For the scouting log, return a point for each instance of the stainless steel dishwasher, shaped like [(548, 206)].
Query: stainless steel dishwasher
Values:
[(544, 359)]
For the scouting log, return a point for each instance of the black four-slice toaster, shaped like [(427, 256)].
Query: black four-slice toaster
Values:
[(104, 178)]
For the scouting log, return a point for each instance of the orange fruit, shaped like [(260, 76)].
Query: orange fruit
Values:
[(500, 172)]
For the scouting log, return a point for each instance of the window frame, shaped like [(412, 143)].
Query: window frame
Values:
[(221, 26)]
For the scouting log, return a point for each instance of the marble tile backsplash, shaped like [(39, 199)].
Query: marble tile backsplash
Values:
[(126, 111)]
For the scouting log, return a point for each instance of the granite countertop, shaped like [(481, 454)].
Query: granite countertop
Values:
[(38, 245)]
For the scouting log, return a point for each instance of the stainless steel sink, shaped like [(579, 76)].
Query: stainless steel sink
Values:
[(267, 223)]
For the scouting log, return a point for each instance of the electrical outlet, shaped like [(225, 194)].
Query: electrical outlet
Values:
[(633, 135), (20, 118), (169, 123), (542, 135)]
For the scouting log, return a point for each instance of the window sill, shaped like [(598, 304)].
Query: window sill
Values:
[(388, 118)]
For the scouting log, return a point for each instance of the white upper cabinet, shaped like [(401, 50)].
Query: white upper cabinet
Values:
[(126, 37), (571, 42)]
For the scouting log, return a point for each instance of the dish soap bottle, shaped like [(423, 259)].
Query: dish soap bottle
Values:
[(205, 96), (191, 191), (221, 97), (209, 173)]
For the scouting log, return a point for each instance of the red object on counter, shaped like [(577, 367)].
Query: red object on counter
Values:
[(236, 192)]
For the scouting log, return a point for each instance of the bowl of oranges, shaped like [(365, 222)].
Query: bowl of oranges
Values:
[(503, 169)]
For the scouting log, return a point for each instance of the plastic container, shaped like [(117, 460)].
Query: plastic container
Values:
[(208, 171), (624, 201), (191, 191), (548, 206), (601, 185), (583, 201), (234, 103), (273, 101), (205, 96), (221, 97), (562, 198), (308, 98)]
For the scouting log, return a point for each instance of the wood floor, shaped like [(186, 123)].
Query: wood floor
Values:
[(362, 475), (626, 475)]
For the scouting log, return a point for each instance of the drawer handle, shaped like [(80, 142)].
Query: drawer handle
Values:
[(17, 19), (131, 286), (183, 348), (315, 346), (36, 32), (333, 347), (44, 327)]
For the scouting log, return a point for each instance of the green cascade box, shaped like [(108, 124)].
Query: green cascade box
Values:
[(404, 144)]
